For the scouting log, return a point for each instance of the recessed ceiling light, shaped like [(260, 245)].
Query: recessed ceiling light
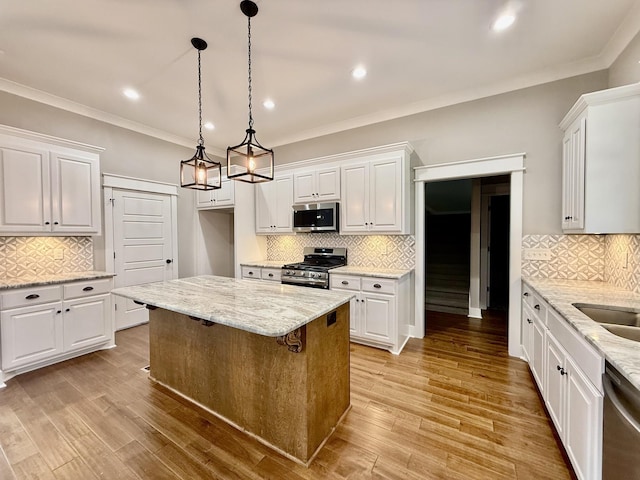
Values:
[(268, 104), (209, 126), (359, 72), (504, 21), (131, 94)]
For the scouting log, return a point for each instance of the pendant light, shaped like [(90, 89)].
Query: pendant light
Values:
[(200, 172), (249, 161)]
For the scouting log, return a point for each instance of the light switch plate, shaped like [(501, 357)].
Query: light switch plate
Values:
[(543, 254)]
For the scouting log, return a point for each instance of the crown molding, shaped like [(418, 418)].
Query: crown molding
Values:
[(41, 137), (80, 109), (623, 36)]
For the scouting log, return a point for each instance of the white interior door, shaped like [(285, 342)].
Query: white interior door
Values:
[(142, 243)]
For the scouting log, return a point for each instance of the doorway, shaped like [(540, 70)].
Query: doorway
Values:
[(498, 252), (511, 165)]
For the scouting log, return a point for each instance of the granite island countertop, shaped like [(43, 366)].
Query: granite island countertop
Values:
[(267, 263), (623, 354), (265, 308), (8, 283)]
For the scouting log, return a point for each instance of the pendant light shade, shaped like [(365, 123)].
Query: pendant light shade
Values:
[(200, 172), (249, 161)]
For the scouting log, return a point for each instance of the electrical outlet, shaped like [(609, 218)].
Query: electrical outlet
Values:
[(58, 254), (537, 254)]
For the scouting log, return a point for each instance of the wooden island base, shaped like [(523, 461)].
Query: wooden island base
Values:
[(289, 401)]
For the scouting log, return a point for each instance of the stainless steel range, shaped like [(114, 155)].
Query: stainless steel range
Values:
[(314, 270)]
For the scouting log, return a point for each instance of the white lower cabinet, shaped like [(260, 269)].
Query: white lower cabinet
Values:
[(42, 325), (272, 274), (379, 312), (568, 372)]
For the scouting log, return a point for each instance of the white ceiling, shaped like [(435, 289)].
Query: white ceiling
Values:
[(420, 54)]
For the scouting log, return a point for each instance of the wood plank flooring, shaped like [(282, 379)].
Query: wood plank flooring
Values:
[(452, 406)]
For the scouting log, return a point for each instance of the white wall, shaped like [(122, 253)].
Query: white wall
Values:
[(626, 68), (521, 121), (214, 234), (126, 153)]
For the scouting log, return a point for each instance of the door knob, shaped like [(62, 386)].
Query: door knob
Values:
[(169, 261)]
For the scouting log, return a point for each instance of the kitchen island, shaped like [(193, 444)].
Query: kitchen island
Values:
[(270, 359)]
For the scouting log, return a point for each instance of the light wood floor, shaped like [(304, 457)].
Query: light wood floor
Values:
[(452, 405)]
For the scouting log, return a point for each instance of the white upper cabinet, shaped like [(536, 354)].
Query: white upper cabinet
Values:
[(273, 205), (601, 167), (47, 189), (75, 194), (223, 197), (376, 195), (314, 186)]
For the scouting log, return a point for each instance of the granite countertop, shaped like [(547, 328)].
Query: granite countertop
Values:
[(346, 270), (50, 279), (372, 271), (266, 308), (623, 354), (266, 263)]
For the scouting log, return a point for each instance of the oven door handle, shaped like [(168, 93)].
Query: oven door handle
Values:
[(617, 404)]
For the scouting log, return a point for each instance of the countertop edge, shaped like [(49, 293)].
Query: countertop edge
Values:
[(16, 283)]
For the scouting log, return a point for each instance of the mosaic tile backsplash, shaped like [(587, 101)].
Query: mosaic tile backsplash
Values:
[(622, 261), (573, 257), (26, 256), (382, 251)]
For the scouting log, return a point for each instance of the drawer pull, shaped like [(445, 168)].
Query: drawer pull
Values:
[(271, 274), (87, 289), (377, 285), (33, 296), (537, 307), (58, 312), (250, 273), (344, 282), (67, 310)]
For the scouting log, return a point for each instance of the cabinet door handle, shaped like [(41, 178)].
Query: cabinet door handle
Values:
[(537, 307), (271, 274), (87, 289), (529, 321), (169, 261), (377, 285), (344, 282), (561, 370), (58, 312), (47, 223), (55, 223), (33, 296), (526, 294), (68, 310)]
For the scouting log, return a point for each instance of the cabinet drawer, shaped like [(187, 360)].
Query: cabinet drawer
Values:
[(272, 274), (540, 308), (590, 361), (344, 282), (87, 288), (251, 272), (527, 295), (31, 296), (379, 285)]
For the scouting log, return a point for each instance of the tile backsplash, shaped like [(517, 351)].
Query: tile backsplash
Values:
[(573, 257), (384, 251), (622, 261), (26, 256)]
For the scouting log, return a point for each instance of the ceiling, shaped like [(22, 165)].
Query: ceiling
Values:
[(420, 55)]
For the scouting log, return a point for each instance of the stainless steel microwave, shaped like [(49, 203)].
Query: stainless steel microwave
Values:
[(316, 217)]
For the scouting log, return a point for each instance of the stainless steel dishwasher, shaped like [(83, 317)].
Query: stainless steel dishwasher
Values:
[(621, 428)]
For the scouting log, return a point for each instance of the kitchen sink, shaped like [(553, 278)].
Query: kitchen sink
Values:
[(620, 321), (630, 333), (610, 315)]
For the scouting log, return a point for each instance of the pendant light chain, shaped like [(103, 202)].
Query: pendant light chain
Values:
[(200, 140), (249, 48)]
